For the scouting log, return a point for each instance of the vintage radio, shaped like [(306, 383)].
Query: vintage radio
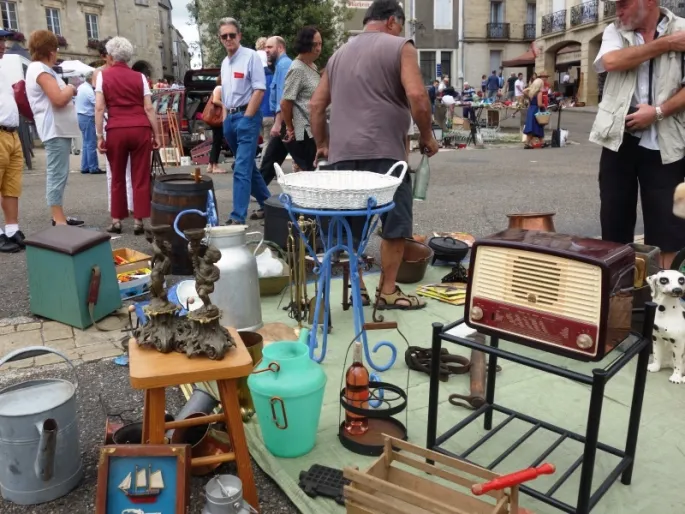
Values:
[(564, 294)]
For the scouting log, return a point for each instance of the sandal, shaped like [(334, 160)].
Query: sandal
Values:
[(114, 228), (257, 214), (366, 299), (395, 301), (138, 229)]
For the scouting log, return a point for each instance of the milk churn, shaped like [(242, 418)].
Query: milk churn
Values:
[(40, 459), (287, 390), (225, 496), (237, 291)]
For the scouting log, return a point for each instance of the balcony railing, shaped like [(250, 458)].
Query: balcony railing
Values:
[(555, 22), (529, 32), (498, 30), (584, 13), (677, 7), (609, 9)]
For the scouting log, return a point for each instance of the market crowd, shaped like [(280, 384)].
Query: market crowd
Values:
[(354, 114)]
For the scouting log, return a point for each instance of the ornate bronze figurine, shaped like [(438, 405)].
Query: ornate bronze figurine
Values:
[(159, 331)]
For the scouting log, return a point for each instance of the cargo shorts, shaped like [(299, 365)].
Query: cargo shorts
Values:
[(11, 164)]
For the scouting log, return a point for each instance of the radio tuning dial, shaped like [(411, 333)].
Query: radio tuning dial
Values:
[(476, 313), (584, 341)]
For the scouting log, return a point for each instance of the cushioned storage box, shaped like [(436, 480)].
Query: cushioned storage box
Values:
[(60, 262)]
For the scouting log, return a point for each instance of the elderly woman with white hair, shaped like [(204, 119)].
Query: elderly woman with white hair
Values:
[(131, 132), (102, 50)]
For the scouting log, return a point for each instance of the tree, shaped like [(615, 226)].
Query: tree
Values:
[(269, 18)]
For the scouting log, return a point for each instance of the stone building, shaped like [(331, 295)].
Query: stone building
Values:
[(81, 23), (569, 38)]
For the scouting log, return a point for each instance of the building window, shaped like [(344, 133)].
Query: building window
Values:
[(52, 16), (496, 12), (428, 67), (92, 26), (531, 14), (443, 14), (142, 2), (495, 59), (9, 15), (446, 64)]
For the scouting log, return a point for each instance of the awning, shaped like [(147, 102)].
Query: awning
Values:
[(523, 60)]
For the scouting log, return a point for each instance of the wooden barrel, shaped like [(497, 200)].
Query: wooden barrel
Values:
[(172, 194)]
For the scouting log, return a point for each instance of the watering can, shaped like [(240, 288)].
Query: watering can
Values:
[(40, 458)]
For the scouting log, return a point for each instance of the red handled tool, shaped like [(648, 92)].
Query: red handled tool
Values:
[(513, 479)]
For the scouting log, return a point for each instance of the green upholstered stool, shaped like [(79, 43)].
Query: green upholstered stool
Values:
[(60, 262)]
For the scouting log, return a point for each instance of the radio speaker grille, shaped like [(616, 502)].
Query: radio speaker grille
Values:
[(545, 283)]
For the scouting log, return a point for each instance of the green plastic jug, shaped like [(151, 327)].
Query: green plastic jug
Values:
[(287, 390)]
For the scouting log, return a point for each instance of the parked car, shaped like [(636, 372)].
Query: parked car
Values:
[(187, 104)]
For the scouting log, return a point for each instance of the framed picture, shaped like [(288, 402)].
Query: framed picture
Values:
[(143, 479)]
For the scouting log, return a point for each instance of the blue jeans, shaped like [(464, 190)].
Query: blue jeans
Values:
[(57, 155), (89, 156), (241, 133)]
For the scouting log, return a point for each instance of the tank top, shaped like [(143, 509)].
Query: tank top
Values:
[(369, 107)]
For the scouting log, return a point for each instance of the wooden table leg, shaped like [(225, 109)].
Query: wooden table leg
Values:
[(153, 418), (228, 391)]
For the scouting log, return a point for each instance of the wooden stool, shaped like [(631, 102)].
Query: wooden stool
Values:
[(153, 371)]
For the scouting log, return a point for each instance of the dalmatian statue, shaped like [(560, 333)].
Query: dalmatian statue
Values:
[(667, 287)]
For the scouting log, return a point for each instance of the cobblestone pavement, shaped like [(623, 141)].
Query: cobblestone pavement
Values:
[(78, 345)]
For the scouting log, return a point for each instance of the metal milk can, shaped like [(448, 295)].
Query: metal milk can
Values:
[(225, 496), (237, 291), (40, 458)]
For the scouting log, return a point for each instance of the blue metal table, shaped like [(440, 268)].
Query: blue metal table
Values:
[(338, 237)]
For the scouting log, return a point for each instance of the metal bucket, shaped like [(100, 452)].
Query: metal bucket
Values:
[(40, 458)]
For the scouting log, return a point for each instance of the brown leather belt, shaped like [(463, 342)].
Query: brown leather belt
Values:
[(8, 129)]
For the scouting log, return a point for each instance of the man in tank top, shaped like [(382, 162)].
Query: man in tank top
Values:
[(374, 87)]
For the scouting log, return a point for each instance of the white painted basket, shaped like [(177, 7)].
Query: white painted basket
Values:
[(340, 190)]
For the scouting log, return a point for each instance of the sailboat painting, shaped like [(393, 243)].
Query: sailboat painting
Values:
[(143, 485)]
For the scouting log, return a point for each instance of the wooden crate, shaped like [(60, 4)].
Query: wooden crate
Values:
[(387, 489)]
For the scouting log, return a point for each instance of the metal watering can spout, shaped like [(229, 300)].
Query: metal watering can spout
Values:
[(45, 458)]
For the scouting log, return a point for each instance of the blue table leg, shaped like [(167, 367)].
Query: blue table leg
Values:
[(338, 237)]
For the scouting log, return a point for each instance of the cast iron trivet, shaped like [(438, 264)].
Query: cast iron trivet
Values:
[(458, 274), (324, 481)]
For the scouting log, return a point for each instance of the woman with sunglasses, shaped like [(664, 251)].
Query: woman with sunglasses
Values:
[(300, 83)]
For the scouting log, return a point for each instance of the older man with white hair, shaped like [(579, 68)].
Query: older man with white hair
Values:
[(132, 132), (640, 124), (85, 111)]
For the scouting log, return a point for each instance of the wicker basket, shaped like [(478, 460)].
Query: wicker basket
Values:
[(340, 190), (543, 117)]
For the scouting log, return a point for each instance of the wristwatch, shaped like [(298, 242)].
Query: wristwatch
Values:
[(659, 114)]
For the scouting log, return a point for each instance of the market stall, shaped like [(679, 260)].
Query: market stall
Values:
[(314, 403)]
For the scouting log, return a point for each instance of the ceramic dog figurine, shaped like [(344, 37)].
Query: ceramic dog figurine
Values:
[(668, 286)]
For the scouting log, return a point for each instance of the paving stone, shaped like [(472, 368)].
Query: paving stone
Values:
[(23, 327), (101, 352), (26, 363), (17, 320), (92, 336), (53, 330), (63, 345), (10, 342), (8, 329), (51, 358)]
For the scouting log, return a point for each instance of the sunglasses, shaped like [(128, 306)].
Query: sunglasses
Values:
[(231, 35)]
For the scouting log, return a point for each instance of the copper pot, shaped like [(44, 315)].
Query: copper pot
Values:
[(254, 343), (532, 221)]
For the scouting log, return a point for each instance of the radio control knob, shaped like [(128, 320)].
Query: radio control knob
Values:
[(476, 313), (584, 341)]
